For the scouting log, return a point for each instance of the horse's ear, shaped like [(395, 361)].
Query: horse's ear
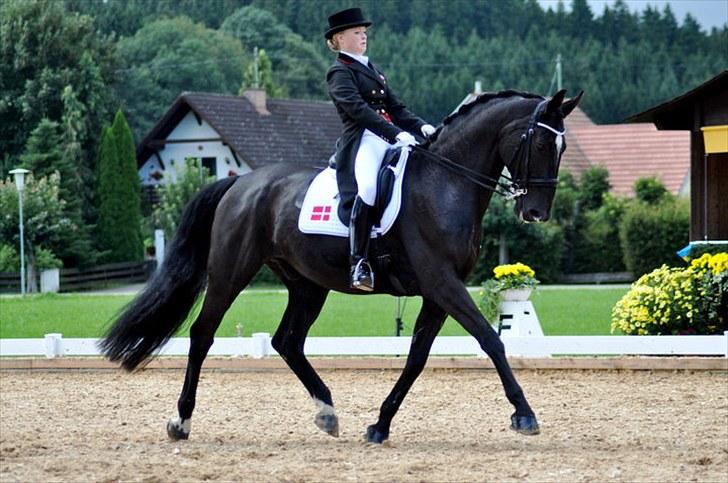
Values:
[(569, 105), (556, 101)]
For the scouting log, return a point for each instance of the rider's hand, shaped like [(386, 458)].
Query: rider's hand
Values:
[(428, 130), (406, 139)]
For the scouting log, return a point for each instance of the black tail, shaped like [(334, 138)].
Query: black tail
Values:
[(161, 308)]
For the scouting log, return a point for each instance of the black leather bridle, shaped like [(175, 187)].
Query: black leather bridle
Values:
[(515, 186), (522, 178)]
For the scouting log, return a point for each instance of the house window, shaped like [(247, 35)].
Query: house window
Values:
[(211, 165)]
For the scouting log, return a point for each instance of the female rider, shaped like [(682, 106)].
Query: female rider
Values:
[(374, 120)]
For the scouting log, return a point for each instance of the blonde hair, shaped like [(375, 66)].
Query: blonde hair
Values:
[(333, 43)]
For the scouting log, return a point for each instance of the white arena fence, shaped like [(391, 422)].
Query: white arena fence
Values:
[(259, 346)]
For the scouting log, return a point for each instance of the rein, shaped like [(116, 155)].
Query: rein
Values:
[(512, 187), (491, 184)]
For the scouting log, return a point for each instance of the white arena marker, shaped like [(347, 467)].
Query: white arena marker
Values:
[(53, 345)]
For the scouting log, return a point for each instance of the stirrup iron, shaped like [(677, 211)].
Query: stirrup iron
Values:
[(361, 274)]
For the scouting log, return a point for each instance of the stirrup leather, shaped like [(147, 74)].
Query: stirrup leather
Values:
[(362, 276)]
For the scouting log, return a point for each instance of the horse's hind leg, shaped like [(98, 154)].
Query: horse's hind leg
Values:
[(305, 300), (224, 285), (429, 322)]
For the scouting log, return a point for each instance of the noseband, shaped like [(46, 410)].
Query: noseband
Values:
[(518, 185)]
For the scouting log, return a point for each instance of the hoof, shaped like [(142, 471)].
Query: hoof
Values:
[(328, 423), (375, 436), (176, 430), (524, 424)]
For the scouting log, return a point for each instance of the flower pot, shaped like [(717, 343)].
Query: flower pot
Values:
[(516, 294)]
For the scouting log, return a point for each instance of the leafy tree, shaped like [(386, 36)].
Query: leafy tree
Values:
[(175, 196), (44, 155), (625, 61), (9, 259), (295, 64), (124, 17), (108, 179), (43, 49), (169, 56), (119, 223), (47, 231), (264, 73), (581, 19), (131, 186)]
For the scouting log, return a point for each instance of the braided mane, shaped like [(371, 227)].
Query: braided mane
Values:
[(481, 99)]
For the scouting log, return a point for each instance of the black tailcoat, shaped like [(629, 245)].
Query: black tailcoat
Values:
[(360, 94)]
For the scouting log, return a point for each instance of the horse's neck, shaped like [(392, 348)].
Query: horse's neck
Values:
[(473, 144)]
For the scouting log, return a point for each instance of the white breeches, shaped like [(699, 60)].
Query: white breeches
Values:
[(366, 165)]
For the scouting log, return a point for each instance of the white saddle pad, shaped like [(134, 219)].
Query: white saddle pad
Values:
[(319, 211)]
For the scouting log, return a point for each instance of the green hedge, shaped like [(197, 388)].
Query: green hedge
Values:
[(651, 234), (598, 246)]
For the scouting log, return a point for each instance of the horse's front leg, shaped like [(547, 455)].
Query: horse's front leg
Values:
[(428, 324), (450, 293)]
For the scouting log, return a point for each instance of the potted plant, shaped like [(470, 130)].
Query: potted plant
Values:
[(512, 282), (677, 301)]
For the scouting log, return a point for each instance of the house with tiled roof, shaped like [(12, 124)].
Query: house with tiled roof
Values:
[(628, 152), (233, 135)]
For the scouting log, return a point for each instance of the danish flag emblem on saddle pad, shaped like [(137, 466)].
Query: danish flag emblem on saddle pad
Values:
[(319, 210), (321, 213)]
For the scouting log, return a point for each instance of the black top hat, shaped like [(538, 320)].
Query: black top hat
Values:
[(351, 17)]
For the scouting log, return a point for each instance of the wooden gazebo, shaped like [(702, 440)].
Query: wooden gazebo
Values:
[(704, 112)]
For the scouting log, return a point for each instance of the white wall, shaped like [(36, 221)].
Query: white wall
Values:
[(173, 154)]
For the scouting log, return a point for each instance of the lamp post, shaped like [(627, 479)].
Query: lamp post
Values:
[(19, 175)]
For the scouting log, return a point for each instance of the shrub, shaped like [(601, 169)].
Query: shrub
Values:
[(593, 186), (539, 245), (650, 191), (46, 225), (690, 300), (175, 196), (700, 249), (9, 259), (598, 246), (45, 259), (651, 234)]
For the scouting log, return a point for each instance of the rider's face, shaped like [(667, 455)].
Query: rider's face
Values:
[(353, 40)]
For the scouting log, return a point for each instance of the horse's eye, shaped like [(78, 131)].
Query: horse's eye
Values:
[(542, 146)]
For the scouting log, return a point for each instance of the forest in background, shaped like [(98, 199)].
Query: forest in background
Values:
[(434, 50), (145, 52)]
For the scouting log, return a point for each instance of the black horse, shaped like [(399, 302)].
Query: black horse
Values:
[(234, 226)]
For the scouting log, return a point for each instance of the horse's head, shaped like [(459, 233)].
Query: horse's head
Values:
[(532, 150)]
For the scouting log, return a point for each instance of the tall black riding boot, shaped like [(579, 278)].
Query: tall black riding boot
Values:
[(360, 227)]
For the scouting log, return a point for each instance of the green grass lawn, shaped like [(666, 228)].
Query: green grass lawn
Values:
[(562, 311)]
